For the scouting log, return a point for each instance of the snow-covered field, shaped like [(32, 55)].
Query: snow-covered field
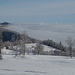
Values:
[(37, 65), (55, 31)]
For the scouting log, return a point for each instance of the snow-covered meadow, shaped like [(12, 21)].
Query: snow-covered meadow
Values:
[(36, 64)]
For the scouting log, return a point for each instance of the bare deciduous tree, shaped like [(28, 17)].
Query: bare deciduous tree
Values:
[(71, 43), (0, 42), (39, 48), (22, 42), (20, 45)]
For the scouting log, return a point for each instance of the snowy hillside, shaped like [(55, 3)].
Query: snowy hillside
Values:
[(29, 48), (37, 65), (46, 48), (55, 31)]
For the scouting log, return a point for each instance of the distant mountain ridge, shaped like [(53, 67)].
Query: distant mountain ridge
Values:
[(5, 24)]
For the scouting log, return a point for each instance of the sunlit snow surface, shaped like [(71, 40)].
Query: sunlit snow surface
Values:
[(55, 31), (37, 65)]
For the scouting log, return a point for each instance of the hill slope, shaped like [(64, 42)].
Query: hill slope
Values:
[(7, 35)]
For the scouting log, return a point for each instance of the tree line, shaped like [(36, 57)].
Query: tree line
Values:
[(53, 44)]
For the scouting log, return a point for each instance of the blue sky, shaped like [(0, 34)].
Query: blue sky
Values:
[(37, 11)]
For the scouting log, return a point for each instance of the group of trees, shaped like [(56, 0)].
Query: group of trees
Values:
[(19, 48), (17, 40), (53, 44), (68, 50), (17, 44)]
